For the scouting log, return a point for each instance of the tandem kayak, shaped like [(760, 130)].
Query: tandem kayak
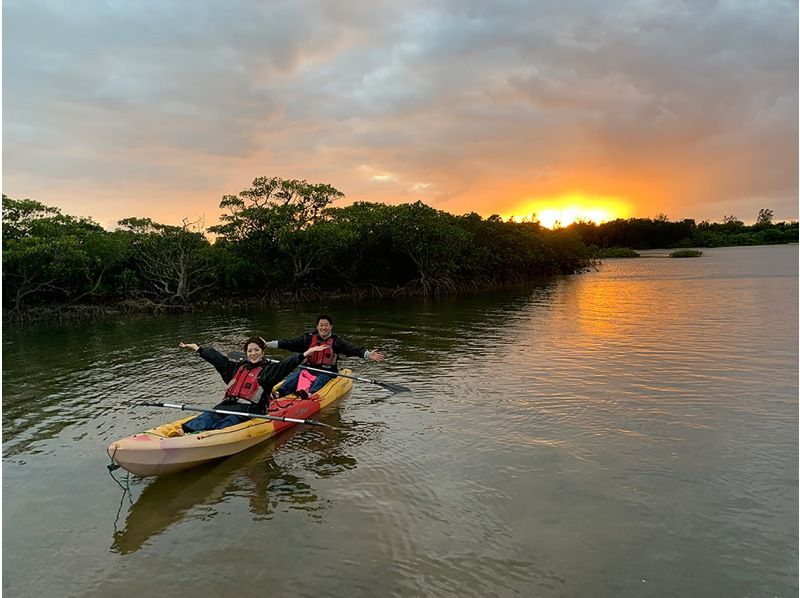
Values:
[(160, 450)]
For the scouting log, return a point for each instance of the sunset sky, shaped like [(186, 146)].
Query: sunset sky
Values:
[(156, 109)]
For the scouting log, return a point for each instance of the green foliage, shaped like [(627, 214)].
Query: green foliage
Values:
[(433, 243), (617, 252), (764, 216), (732, 221), (176, 261), (49, 257), (127, 282), (644, 233), (686, 253), (24, 217), (363, 256), (272, 220), (637, 233)]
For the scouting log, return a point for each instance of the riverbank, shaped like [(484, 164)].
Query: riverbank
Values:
[(129, 307)]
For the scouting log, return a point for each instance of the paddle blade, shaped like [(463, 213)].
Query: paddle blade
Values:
[(314, 422), (394, 388)]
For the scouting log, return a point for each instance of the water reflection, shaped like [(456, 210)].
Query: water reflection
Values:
[(266, 475), (103, 366), (650, 407)]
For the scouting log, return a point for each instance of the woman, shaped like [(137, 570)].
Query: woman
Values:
[(249, 383)]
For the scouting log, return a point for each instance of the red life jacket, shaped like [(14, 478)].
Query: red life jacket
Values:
[(244, 385), (326, 357)]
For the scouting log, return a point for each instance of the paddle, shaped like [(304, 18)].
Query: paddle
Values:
[(310, 422), (394, 388)]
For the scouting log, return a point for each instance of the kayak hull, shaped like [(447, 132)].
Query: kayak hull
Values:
[(160, 450)]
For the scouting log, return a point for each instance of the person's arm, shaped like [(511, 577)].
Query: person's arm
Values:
[(342, 347), (226, 367), (295, 345)]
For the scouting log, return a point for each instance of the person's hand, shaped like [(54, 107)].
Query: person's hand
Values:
[(316, 349), (189, 346), (376, 356)]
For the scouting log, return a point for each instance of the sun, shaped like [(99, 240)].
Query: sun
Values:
[(563, 211)]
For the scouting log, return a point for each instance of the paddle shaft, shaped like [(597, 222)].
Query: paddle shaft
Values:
[(310, 422), (310, 369)]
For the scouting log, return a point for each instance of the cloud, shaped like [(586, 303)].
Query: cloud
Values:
[(684, 108)]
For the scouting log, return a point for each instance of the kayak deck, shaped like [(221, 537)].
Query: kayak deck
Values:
[(161, 450)]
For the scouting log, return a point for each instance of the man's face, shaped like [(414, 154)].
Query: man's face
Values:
[(324, 328)]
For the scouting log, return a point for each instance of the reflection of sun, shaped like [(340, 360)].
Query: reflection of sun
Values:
[(563, 211)]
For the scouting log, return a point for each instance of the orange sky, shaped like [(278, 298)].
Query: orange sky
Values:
[(137, 109)]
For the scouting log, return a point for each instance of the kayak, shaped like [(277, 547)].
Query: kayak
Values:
[(161, 450)]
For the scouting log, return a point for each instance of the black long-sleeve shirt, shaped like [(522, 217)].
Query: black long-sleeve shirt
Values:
[(270, 375), (340, 347)]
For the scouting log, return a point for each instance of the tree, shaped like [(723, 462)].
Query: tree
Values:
[(358, 243), (50, 255), (22, 216), (431, 240), (732, 220), (105, 251), (176, 260), (764, 217), (272, 219)]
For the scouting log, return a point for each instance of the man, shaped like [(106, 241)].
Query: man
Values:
[(324, 359)]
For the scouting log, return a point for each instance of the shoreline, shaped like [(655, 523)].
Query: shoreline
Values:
[(133, 307)]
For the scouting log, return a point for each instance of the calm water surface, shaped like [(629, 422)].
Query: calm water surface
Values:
[(627, 432)]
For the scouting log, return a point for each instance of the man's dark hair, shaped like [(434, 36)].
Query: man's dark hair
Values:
[(324, 317)]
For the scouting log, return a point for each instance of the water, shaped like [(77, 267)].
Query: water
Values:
[(627, 432)]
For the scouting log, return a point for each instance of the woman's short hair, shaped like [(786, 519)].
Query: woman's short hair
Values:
[(325, 317), (257, 340)]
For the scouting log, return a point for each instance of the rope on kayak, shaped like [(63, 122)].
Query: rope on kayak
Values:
[(126, 487), (274, 401), (114, 466), (126, 491)]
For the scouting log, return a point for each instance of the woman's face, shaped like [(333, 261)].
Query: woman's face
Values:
[(254, 353)]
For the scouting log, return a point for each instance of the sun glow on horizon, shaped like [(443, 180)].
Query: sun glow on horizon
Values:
[(563, 211)]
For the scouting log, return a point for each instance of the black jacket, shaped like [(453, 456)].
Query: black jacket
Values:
[(269, 377), (340, 347)]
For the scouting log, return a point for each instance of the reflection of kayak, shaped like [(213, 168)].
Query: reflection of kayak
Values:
[(158, 451), (170, 499)]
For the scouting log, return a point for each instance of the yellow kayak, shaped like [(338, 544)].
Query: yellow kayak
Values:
[(163, 450)]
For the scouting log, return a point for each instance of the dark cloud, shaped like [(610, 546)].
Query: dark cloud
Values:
[(686, 108)]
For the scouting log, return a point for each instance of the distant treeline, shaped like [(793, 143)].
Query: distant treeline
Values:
[(278, 240), (658, 233)]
